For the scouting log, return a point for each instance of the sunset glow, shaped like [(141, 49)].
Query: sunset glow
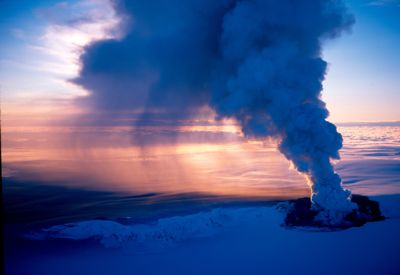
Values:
[(200, 137)]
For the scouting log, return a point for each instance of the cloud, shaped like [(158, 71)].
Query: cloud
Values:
[(47, 53), (73, 26), (256, 61), (390, 3)]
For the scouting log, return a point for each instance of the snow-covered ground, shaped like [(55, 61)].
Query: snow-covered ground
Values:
[(241, 240)]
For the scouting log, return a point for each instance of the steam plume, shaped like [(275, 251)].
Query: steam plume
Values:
[(257, 61)]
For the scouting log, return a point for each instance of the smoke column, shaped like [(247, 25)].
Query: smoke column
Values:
[(257, 61), (271, 80)]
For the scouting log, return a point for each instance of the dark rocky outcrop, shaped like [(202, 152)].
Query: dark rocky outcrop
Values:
[(300, 214)]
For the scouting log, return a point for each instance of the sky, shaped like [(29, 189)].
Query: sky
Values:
[(42, 41)]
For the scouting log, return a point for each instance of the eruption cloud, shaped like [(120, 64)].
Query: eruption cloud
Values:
[(257, 61)]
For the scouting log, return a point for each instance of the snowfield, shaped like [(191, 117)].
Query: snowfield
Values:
[(246, 240)]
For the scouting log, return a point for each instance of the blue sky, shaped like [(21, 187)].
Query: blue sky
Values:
[(362, 82)]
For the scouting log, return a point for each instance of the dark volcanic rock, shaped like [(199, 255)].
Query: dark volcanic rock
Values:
[(300, 214)]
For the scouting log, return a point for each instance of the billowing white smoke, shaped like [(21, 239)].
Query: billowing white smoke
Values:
[(258, 61), (270, 80)]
